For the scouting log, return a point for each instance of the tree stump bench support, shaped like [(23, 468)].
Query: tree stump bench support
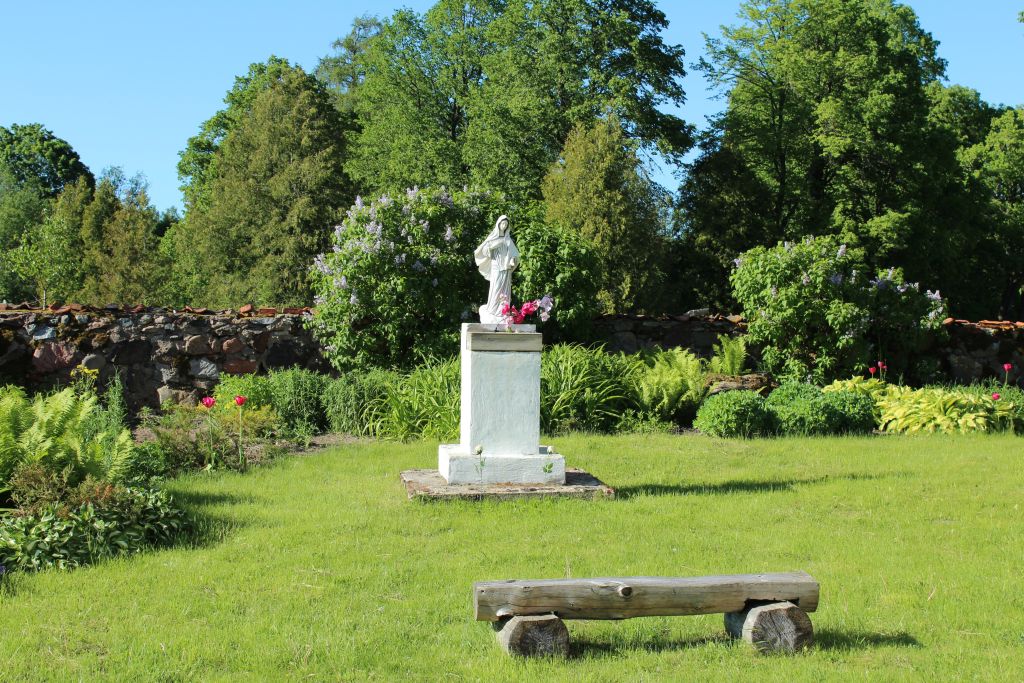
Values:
[(769, 611)]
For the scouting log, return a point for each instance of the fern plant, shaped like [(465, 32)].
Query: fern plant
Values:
[(62, 431), (673, 385), (729, 356)]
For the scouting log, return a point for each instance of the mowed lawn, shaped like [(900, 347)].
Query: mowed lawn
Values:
[(318, 568)]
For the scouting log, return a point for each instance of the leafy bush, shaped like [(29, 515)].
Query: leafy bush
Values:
[(347, 398), (672, 385), (735, 414), (111, 521), (817, 312), (255, 388), (191, 437), (855, 411), (585, 389), (804, 409), (800, 408), (932, 409)]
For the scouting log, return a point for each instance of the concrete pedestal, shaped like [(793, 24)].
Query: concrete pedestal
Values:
[(500, 412)]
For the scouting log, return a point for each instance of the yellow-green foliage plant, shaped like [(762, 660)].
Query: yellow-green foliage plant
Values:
[(928, 410)]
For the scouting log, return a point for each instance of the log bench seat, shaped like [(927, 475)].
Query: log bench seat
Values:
[(769, 611)]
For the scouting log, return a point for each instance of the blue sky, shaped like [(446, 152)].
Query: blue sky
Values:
[(127, 83)]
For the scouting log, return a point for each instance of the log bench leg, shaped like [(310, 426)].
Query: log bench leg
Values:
[(775, 627), (533, 636)]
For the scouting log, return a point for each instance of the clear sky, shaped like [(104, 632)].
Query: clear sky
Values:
[(127, 83)]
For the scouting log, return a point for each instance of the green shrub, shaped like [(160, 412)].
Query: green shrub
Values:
[(800, 409), (804, 409), (113, 521), (296, 395), (585, 389), (735, 414), (348, 399), (672, 385), (855, 411), (817, 311)]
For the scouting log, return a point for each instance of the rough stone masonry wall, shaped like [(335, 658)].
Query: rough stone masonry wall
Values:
[(160, 355), (165, 355)]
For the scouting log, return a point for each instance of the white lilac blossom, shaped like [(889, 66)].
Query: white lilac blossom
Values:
[(384, 201), (412, 193), (788, 246), (449, 234), (321, 265), (806, 279), (418, 266), (933, 296), (775, 292), (434, 282), (343, 282), (737, 262), (354, 300), (842, 251), (359, 202), (836, 279)]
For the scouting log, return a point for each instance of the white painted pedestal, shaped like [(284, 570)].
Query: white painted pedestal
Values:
[(500, 413)]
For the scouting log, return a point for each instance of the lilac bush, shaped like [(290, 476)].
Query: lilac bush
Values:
[(400, 277), (818, 311)]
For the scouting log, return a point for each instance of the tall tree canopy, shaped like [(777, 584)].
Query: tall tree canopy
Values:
[(600, 192), (486, 91), (34, 155), (831, 124), (266, 195)]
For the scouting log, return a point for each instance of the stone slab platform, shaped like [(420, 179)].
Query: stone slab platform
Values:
[(430, 485)]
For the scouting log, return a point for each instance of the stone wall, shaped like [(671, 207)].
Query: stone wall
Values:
[(166, 355), (160, 355), (978, 350), (695, 332)]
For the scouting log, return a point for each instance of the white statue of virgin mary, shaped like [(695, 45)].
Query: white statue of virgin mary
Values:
[(496, 258)]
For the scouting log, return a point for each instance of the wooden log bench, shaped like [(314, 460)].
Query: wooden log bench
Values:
[(769, 611)]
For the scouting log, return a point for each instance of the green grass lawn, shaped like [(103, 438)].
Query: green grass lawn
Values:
[(318, 568)]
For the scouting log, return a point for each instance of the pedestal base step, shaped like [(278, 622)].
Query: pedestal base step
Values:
[(430, 485), (542, 468)]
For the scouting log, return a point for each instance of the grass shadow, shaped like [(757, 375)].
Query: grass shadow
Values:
[(208, 528), (592, 649), (846, 641), (741, 485)]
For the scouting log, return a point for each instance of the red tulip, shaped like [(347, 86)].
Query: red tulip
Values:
[(240, 401), (872, 369), (880, 364), (1007, 366), (208, 401), (995, 397)]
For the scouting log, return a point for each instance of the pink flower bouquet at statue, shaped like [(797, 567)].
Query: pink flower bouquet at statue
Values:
[(517, 316)]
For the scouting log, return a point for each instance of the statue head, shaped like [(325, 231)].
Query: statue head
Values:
[(502, 225)]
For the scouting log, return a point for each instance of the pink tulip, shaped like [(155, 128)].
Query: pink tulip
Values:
[(208, 401), (240, 401), (872, 370), (1007, 366), (995, 397), (881, 364)]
